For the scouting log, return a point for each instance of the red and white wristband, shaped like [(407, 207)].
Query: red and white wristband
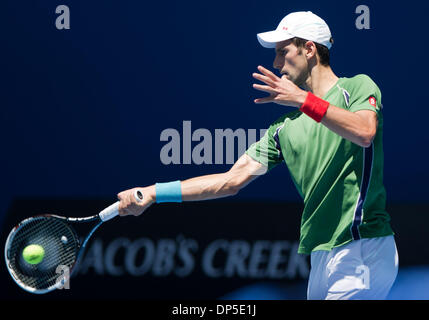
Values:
[(314, 107)]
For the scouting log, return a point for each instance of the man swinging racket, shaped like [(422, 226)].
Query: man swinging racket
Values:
[(332, 146)]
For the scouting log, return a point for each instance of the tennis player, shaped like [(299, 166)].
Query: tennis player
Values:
[(332, 145)]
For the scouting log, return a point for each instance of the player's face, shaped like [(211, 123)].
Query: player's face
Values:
[(291, 61)]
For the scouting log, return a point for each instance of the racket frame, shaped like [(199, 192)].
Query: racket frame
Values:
[(103, 216), (80, 249)]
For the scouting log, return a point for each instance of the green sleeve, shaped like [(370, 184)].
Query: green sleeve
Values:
[(267, 150), (365, 95)]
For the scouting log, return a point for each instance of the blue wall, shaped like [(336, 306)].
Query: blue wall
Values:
[(82, 109)]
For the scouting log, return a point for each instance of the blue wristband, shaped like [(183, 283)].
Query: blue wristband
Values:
[(168, 192)]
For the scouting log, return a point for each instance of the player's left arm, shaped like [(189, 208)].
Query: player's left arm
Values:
[(359, 127)]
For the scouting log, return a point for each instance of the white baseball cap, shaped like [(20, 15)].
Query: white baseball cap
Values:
[(302, 24)]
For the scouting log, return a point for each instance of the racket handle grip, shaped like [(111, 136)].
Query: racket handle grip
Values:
[(113, 210), (110, 212)]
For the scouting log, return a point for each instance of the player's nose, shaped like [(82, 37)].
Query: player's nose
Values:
[(276, 64)]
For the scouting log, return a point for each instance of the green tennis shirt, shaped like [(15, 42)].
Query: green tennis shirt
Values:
[(340, 182)]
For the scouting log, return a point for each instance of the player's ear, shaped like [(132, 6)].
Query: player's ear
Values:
[(310, 49)]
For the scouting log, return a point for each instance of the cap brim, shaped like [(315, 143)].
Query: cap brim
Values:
[(270, 38)]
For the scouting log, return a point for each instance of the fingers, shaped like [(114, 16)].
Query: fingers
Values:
[(264, 100), (127, 211), (122, 205), (268, 73), (272, 84), (265, 88), (121, 208), (265, 79), (128, 204)]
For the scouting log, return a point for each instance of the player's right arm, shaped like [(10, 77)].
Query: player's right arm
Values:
[(206, 187), (229, 183)]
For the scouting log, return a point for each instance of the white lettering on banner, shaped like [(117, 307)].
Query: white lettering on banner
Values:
[(236, 259), (131, 265), (93, 259), (164, 257), (186, 246), (209, 255), (180, 257), (265, 259), (110, 254), (278, 257), (259, 258)]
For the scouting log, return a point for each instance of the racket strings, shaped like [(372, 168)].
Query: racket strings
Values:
[(60, 246)]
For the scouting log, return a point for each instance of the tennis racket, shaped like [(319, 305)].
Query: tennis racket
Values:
[(61, 244)]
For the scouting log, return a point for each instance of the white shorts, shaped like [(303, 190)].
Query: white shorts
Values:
[(362, 269)]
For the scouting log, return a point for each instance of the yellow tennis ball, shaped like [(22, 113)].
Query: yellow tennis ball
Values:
[(33, 253)]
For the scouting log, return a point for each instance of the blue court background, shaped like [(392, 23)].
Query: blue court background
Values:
[(82, 109)]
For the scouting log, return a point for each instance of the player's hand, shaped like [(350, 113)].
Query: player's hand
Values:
[(282, 90), (130, 206)]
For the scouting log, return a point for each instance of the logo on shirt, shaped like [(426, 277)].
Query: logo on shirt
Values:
[(372, 102)]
